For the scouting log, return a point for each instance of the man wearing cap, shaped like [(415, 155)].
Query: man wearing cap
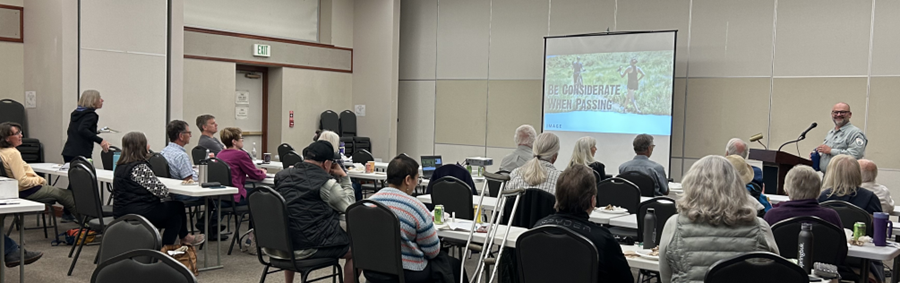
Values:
[(315, 202)]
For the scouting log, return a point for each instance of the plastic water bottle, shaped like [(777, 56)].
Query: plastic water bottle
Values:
[(342, 148), (253, 152), (805, 247), (208, 153), (650, 229)]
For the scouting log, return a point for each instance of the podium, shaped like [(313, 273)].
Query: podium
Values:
[(776, 164)]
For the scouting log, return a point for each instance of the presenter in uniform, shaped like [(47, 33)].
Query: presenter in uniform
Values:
[(845, 138)]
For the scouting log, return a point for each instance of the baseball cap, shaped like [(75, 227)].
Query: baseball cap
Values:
[(319, 151)]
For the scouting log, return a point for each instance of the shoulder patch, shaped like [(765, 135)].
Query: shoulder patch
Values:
[(859, 141)]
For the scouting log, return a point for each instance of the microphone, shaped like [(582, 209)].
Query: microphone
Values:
[(756, 137), (811, 126)]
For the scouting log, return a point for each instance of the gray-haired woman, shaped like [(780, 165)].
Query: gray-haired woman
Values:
[(538, 172)]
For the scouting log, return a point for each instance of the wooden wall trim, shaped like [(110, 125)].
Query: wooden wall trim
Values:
[(260, 37), (21, 38), (269, 64)]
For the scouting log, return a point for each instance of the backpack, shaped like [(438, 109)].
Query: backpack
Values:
[(88, 236)]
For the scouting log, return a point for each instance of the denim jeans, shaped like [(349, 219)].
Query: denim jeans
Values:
[(9, 245)]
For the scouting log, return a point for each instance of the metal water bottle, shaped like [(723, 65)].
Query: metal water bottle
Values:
[(203, 174), (650, 229), (805, 247)]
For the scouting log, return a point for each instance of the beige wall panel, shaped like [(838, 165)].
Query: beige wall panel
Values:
[(415, 128), (308, 93), (129, 25), (518, 28), (883, 121), (891, 179), (885, 42), (658, 15), (581, 16), (342, 23), (463, 34), (798, 102), (511, 104), (822, 38), (675, 172), (731, 38), (678, 118), (12, 2), (276, 120), (719, 109), (497, 153), (459, 114), (418, 30), (452, 153), (208, 89), (12, 66), (325, 20), (229, 47), (10, 23)]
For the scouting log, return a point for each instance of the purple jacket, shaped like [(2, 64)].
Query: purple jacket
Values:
[(241, 168), (803, 207)]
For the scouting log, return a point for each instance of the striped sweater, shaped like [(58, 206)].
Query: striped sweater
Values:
[(419, 240)]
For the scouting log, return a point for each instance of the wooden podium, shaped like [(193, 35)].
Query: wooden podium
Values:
[(776, 164)]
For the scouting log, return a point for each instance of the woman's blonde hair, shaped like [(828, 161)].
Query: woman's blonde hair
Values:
[(545, 148), (714, 194), (582, 153), (332, 138), (802, 182), (229, 135), (89, 99), (843, 176)]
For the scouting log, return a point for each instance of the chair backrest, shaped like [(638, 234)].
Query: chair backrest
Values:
[(830, 242), (128, 233), (84, 190), (494, 185), (348, 124), (663, 208), (163, 269), (454, 170), (570, 256), (619, 192), (269, 216), (198, 154), (2, 169), (107, 157), (850, 214), (159, 165), (330, 121), (13, 111), (362, 156), (283, 149), (85, 161), (217, 171), (374, 238), (534, 205), (755, 267), (290, 158), (644, 182), (455, 196)]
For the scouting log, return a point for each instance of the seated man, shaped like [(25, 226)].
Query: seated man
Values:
[(737, 146), (315, 202), (525, 135), (643, 147), (419, 242), (869, 172), (31, 186), (12, 255), (208, 128)]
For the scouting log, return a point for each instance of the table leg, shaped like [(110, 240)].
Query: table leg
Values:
[(864, 271), (218, 243), (206, 249), (2, 253), (21, 248)]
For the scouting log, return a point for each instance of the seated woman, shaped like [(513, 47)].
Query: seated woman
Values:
[(538, 172), (842, 182), (241, 165), (745, 173), (136, 190), (419, 244), (576, 196), (583, 154), (714, 206), (802, 185), (31, 186)]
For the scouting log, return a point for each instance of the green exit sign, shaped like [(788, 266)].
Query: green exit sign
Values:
[(262, 50)]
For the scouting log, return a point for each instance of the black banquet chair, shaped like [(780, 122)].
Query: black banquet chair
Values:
[(283, 149), (269, 216), (619, 192), (87, 204), (290, 159), (646, 184), (128, 233), (162, 269), (850, 214), (159, 165), (755, 267), (570, 256), (198, 154), (826, 235), (375, 241), (455, 195)]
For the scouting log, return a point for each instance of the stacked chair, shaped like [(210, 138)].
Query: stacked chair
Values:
[(345, 126)]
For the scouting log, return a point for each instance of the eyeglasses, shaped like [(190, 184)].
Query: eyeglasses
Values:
[(186, 132), (840, 112), (17, 133)]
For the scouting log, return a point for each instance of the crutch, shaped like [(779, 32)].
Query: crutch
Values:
[(496, 215)]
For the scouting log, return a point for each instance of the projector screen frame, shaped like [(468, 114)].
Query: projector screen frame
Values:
[(674, 64)]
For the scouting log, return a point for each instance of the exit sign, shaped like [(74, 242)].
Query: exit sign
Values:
[(262, 50)]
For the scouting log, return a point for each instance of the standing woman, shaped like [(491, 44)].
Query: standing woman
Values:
[(82, 132)]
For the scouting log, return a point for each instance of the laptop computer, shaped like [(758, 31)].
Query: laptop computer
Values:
[(429, 164)]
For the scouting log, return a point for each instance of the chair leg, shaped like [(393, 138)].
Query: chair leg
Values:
[(340, 272), (262, 279), (84, 220), (234, 236), (44, 219), (75, 259), (55, 227), (191, 218)]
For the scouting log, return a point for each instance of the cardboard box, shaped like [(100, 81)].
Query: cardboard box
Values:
[(9, 188)]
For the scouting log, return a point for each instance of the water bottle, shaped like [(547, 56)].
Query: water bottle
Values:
[(805, 247), (208, 153), (341, 149), (203, 174), (883, 228), (253, 152), (650, 229)]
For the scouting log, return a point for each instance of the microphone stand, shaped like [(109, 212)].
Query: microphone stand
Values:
[(764, 145), (803, 137)]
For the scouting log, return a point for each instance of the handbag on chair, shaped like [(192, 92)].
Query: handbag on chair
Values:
[(185, 254)]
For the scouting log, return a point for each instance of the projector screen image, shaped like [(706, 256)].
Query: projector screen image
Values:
[(611, 87)]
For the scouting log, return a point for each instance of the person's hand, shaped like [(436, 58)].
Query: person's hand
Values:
[(337, 170), (619, 69), (105, 145), (264, 170), (823, 149)]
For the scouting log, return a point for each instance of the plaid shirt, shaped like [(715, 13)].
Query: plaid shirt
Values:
[(179, 162)]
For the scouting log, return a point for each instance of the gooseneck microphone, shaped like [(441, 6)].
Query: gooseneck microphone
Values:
[(801, 137)]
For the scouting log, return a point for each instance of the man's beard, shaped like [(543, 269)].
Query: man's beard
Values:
[(840, 122)]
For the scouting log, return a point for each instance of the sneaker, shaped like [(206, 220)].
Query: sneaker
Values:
[(13, 260), (198, 240), (67, 218)]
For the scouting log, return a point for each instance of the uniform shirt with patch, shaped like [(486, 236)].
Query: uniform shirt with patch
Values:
[(848, 140)]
